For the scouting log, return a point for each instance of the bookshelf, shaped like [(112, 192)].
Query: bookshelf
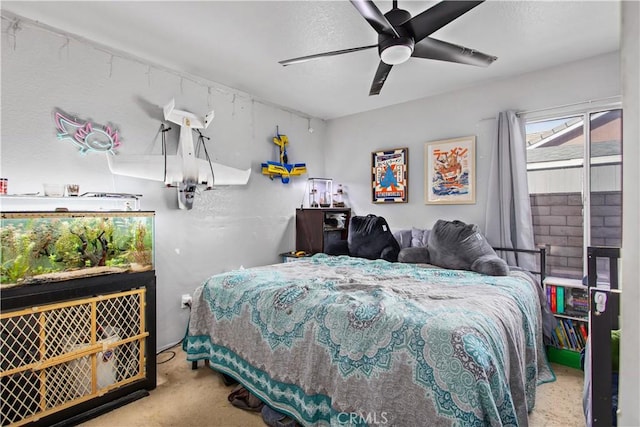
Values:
[(569, 302)]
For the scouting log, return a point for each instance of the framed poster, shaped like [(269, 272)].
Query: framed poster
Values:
[(450, 171), (389, 175)]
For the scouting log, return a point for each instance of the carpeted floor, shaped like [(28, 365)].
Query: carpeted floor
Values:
[(185, 397)]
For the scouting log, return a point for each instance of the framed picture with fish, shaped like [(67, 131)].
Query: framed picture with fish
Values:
[(450, 171), (390, 176)]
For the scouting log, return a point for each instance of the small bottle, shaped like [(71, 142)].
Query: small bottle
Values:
[(312, 197), (338, 201)]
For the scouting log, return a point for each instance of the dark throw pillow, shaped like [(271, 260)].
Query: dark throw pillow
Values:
[(371, 238), (338, 247)]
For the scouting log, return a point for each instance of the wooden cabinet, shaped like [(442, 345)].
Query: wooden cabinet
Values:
[(75, 349), (316, 228)]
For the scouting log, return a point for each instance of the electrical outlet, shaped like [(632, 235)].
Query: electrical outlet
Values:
[(185, 301)]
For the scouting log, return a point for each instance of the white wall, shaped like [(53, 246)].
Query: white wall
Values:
[(467, 112), (228, 227)]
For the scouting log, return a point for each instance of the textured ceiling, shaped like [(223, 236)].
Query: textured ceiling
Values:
[(239, 43)]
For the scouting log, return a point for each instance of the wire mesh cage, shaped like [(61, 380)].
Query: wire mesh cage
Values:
[(62, 354)]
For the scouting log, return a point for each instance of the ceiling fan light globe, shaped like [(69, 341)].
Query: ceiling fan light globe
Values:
[(394, 55)]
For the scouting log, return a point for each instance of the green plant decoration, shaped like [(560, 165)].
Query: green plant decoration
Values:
[(94, 235), (67, 248), (17, 255), (138, 250)]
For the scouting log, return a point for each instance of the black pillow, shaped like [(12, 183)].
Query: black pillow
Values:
[(371, 238), (338, 247)]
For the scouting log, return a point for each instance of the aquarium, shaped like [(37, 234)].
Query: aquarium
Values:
[(42, 247)]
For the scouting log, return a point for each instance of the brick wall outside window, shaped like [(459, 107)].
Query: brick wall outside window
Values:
[(557, 223)]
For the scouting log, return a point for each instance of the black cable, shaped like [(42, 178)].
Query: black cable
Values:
[(173, 354), (206, 153), (164, 148), (169, 351)]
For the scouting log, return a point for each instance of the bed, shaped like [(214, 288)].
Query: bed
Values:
[(339, 340)]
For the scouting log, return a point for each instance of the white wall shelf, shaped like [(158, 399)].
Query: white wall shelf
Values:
[(104, 202)]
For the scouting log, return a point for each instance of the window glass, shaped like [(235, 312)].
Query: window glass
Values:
[(556, 172), (555, 158), (605, 174)]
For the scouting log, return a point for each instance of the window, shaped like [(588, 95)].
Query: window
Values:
[(575, 203)]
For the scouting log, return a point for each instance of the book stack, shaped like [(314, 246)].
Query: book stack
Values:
[(577, 302), (569, 334), (568, 301)]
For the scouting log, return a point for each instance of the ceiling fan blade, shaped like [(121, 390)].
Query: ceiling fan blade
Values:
[(437, 17), (431, 48), (323, 55), (374, 17), (381, 76)]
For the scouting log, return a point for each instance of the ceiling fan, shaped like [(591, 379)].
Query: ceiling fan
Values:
[(401, 36)]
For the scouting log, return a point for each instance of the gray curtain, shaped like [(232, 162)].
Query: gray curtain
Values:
[(508, 221)]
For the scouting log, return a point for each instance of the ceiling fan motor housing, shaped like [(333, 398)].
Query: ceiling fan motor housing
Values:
[(396, 50)]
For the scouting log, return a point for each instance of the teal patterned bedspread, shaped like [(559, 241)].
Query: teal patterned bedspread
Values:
[(349, 341)]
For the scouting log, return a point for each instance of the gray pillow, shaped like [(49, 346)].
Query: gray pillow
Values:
[(459, 246), (403, 237), (414, 255), (419, 237)]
